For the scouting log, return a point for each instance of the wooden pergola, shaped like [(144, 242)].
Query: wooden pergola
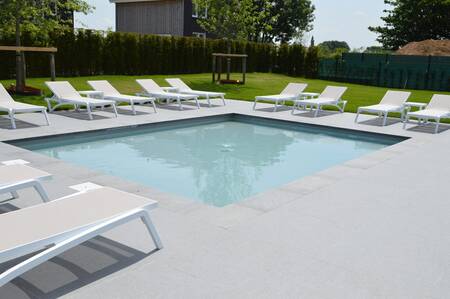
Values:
[(51, 51), (217, 67)]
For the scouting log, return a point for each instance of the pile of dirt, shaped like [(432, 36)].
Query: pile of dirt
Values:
[(426, 47)]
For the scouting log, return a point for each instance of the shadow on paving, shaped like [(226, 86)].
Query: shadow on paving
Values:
[(175, 107), (270, 109), (311, 114), (81, 115), (378, 121), (427, 128), (122, 111), (75, 268), (5, 123)]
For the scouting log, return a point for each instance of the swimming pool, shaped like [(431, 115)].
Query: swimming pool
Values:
[(217, 160)]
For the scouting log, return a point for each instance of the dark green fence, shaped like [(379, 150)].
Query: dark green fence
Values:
[(396, 71), (87, 52)]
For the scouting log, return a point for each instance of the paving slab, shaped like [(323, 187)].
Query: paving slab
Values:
[(373, 227)]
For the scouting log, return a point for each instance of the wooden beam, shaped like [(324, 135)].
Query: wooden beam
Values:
[(28, 49)]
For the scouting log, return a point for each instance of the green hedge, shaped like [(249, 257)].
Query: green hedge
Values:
[(87, 52)]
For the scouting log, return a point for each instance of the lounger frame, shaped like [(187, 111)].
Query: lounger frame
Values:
[(185, 89), (12, 114), (162, 95), (121, 98), (74, 98), (284, 96), (78, 103), (424, 119), (60, 243), (393, 101), (32, 183), (321, 101), (132, 102), (304, 105), (13, 111), (438, 104)]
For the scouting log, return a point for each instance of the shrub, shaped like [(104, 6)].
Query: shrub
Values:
[(87, 52)]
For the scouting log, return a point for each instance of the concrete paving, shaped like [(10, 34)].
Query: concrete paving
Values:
[(374, 227)]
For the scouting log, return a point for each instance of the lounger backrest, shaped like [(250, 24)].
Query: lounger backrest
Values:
[(178, 83), (333, 92), (4, 95), (294, 89), (397, 98), (62, 89), (149, 85), (104, 86), (440, 102)]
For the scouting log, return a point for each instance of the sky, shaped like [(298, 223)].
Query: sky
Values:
[(345, 20)]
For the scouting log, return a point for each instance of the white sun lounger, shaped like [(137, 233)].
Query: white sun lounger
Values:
[(110, 93), (62, 224), (7, 104), (438, 108), (17, 177), (331, 96), (393, 101), (64, 93), (185, 89), (292, 92), (150, 88)]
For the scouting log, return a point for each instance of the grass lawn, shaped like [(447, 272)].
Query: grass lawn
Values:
[(257, 84)]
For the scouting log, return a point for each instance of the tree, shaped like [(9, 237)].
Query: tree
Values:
[(413, 20), (333, 45), (333, 49), (312, 62), (283, 20), (228, 19), (35, 17)]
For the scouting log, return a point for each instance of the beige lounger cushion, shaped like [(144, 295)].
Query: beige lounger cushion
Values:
[(13, 173), (277, 97), (21, 106)]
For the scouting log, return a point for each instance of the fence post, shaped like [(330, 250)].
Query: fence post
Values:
[(427, 74), (336, 67), (379, 74)]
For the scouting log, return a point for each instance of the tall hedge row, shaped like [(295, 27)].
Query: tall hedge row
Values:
[(87, 52)]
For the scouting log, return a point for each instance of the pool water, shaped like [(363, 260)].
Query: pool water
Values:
[(217, 161)]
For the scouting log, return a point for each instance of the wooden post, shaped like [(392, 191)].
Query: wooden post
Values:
[(24, 65), (228, 60), (220, 69), (52, 67), (244, 69), (214, 69)]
